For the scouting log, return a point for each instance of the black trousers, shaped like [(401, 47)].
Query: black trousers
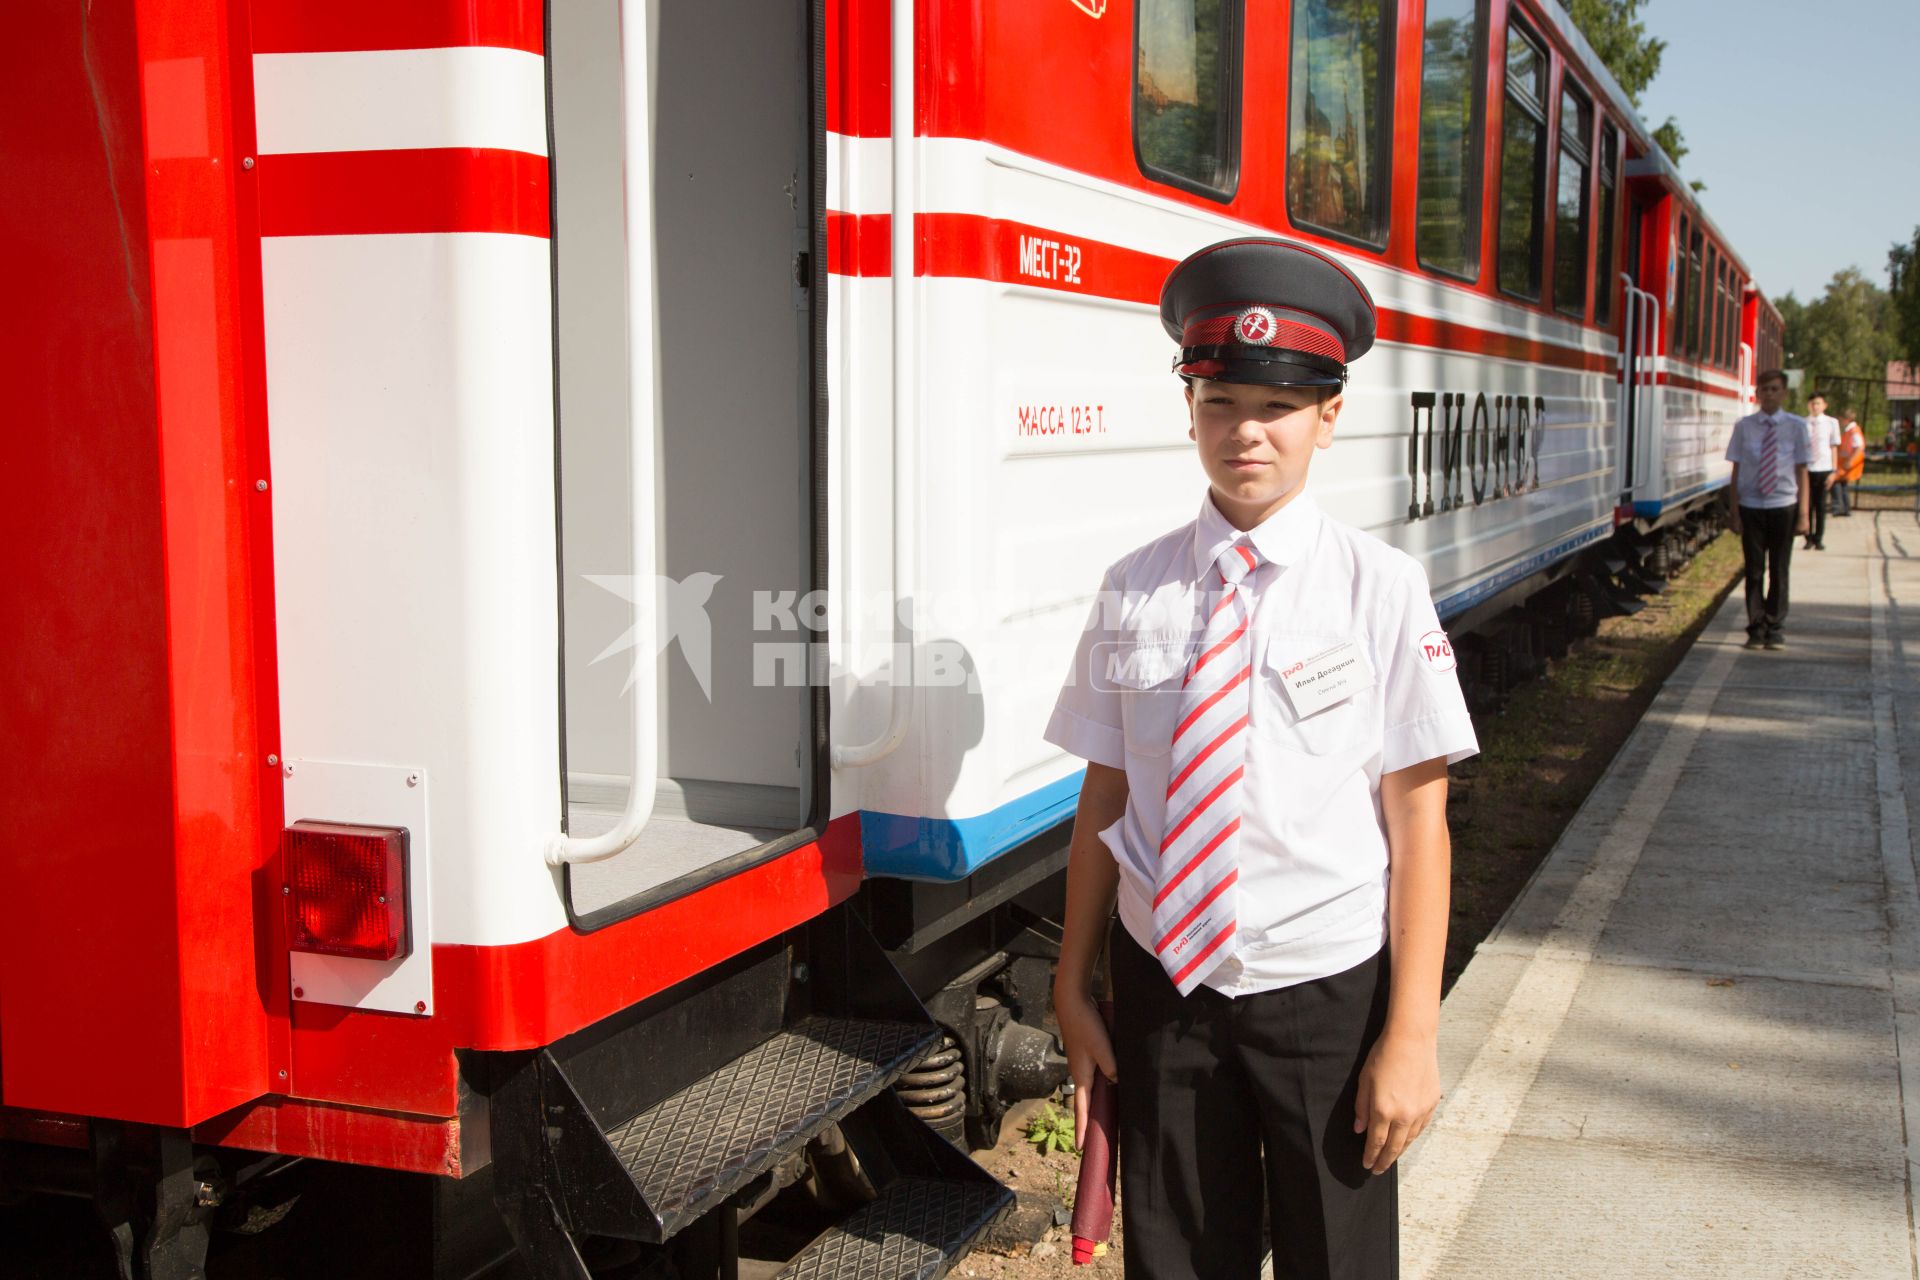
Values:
[(1208, 1086), (1817, 507), (1766, 535)]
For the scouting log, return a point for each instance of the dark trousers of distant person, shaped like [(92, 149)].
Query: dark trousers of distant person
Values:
[(1817, 509), (1842, 498), (1766, 535), (1229, 1106)]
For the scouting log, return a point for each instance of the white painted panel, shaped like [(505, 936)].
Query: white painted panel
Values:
[(397, 99), (409, 384)]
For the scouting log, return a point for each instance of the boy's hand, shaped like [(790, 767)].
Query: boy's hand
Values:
[(1083, 1032), (1399, 1089)]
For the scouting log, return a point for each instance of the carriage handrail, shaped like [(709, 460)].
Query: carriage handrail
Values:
[(906, 452), (1649, 411), (643, 425), (1626, 406)]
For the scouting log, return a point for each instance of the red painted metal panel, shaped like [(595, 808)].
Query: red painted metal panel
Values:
[(133, 803), (303, 26), (350, 1135), (381, 192), (84, 699)]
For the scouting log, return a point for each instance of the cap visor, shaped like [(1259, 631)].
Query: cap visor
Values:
[(1261, 373)]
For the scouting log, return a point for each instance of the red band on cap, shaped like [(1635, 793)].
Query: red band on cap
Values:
[(1291, 334)]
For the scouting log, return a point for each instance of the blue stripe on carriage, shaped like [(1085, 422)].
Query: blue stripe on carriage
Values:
[(1649, 510), (1469, 596), (913, 848)]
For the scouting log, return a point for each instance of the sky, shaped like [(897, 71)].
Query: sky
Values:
[(1803, 119)]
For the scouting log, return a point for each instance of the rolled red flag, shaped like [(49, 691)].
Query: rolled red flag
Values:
[(1099, 1160)]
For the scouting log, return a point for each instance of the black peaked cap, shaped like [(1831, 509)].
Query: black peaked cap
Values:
[(1265, 310)]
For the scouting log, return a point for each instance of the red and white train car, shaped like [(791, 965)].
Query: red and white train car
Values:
[(530, 627)]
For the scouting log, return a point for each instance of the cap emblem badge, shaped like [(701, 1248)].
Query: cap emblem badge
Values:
[(1256, 327)]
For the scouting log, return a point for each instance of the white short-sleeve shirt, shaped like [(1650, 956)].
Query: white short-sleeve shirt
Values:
[(1313, 845), (1791, 449), (1823, 437)]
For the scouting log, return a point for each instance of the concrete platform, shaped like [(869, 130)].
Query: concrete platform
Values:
[(1692, 1048)]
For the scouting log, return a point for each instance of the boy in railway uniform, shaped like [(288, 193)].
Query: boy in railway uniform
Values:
[(1823, 437), (1267, 706), (1769, 451)]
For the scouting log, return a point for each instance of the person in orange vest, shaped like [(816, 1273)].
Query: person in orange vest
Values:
[(1853, 463)]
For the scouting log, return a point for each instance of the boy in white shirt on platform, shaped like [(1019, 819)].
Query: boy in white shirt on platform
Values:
[(1823, 440), (1267, 704), (1770, 451)]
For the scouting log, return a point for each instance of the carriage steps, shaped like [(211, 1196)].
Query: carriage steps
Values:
[(794, 1049)]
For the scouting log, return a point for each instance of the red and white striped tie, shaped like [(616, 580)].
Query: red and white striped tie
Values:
[(1194, 919)]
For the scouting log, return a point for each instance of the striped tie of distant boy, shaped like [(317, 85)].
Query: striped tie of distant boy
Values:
[(1194, 916), (1769, 461)]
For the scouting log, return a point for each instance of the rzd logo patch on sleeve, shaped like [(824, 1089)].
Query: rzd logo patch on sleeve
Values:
[(1437, 650)]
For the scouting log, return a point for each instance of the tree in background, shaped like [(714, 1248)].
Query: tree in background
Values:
[(1614, 29), (1903, 269), (1847, 333)]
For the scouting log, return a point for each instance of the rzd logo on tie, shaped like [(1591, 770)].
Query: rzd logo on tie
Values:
[(1437, 650), (1257, 327)]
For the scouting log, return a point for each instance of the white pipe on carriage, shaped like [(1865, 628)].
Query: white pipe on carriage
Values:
[(906, 451), (643, 426)]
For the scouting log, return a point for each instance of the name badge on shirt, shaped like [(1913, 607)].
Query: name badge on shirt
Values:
[(1326, 678)]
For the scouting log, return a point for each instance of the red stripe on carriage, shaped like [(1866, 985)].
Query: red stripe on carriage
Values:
[(338, 193), (342, 26), (970, 246)]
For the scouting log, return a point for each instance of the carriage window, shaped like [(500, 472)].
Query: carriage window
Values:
[(1523, 163), (1698, 279), (1727, 324), (1570, 205), (1678, 341), (1340, 116), (1709, 308), (1186, 94), (1450, 110), (1603, 269), (1717, 347)]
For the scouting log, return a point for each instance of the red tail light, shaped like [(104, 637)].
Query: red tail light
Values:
[(348, 886)]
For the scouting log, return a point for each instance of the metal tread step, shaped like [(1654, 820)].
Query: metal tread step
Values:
[(916, 1230), (692, 1150)]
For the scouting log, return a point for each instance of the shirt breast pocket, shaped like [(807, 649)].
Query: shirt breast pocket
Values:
[(1337, 729), (1147, 671)]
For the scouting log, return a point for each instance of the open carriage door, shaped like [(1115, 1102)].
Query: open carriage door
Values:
[(734, 233)]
